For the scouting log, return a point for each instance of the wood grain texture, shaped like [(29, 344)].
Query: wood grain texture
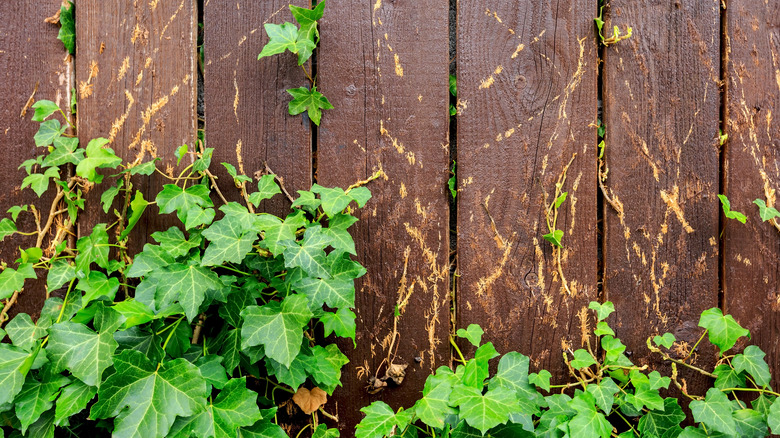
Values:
[(383, 65), (30, 54), (246, 98), (135, 76), (661, 109), (527, 94), (752, 171)]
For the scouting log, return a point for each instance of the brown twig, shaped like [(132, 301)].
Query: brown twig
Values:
[(279, 180), (198, 327)]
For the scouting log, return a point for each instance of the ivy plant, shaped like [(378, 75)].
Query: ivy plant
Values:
[(610, 396), (205, 332)]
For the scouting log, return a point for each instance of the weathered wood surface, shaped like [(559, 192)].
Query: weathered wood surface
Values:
[(136, 84), (752, 171), (661, 109), (247, 122), (31, 58), (383, 65), (527, 94)]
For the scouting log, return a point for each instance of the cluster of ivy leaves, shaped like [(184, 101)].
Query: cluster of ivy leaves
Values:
[(117, 347), (610, 397), (300, 40)]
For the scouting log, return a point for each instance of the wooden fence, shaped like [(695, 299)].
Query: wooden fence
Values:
[(532, 81)]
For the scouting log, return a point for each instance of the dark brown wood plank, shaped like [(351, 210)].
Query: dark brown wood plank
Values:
[(661, 109), (528, 93), (383, 65), (135, 75), (246, 99), (30, 55), (752, 171)]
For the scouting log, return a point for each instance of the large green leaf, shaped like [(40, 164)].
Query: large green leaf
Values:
[(186, 284), (588, 421), (333, 292), (73, 399), (380, 420), (23, 332), (96, 285), (604, 394), (12, 280), (750, 424), (93, 248), (660, 423), (281, 37), (12, 372), (773, 417), (153, 257), (65, 151), (310, 254), (277, 326), (308, 100), (83, 352), (173, 197), (61, 272), (434, 406), (234, 407), (715, 411), (36, 398), (512, 374), (752, 361), (97, 157), (146, 398), (67, 32), (174, 242), (229, 243), (723, 329), (484, 411)]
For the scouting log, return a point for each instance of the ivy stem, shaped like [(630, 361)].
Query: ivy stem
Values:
[(455, 346), (301, 431), (65, 301), (696, 345), (174, 325), (763, 391)]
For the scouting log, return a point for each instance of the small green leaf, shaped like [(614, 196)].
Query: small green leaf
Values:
[(728, 377), (187, 284), (613, 348), (582, 359), (266, 189), (229, 243), (43, 109), (36, 398), (12, 280), (23, 332), (380, 420), (342, 323), (473, 333), (67, 32), (603, 329), (7, 228), (173, 197), (723, 330), (281, 37), (73, 399), (93, 248), (588, 421), (715, 411), (604, 393), (181, 151), (361, 195), (766, 213), (540, 379), (47, 132), (560, 199), (153, 257), (237, 179), (752, 361), (137, 207), (308, 100), (451, 183), (197, 216), (39, 182), (484, 412), (554, 238), (15, 210), (773, 417), (667, 340), (730, 213), (174, 243), (144, 168), (96, 285), (602, 310), (277, 326), (107, 197), (98, 157)]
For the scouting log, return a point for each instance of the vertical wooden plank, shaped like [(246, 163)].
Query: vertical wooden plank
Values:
[(383, 65), (752, 171), (661, 109), (246, 99), (31, 58), (528, 92), (135, 76)]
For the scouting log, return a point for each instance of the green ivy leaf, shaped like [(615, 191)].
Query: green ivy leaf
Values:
[(730, 214), (603, 329), (752, 361), (588, 421), (24, 333), (47, 132), (173, 197), (235, 406), (65, 151), (484, 411), (360, 195), (342, 323), (310, 254), (662, 423), (380, 420), (67, 32), (73, 399), (582, 359), (766, 213), (43, 109), (7, 228), (153, 257), (180, 152), (134, 312), (308, 100), (266, 189), (554, 237), (604, 394), (327, 371), (715, 411), (93, 248), (173, 242), (186, 284), (473, 333), (434, 406), (613, 348), (229, 242), (137, 207), (512, 374), (322, 430), (263, 429), (307, 201), (145, 398), (773, 417), (98, 157), (667, 340), (83, 352), (36, 398), (237, 179), (107, 197), (602, 310), (541, 379), (197, 216), (452, 182), (728, 377), (750, 424), (211, 369), (12, 280), (12, 371), (336, 293), (476, 370), (39, 182), (281, 37), (277, 326), (144, 168), (560, 199), (723, 330)]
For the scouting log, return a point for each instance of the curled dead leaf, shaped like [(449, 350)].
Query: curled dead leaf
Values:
[(397, 372), (310, 400)]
